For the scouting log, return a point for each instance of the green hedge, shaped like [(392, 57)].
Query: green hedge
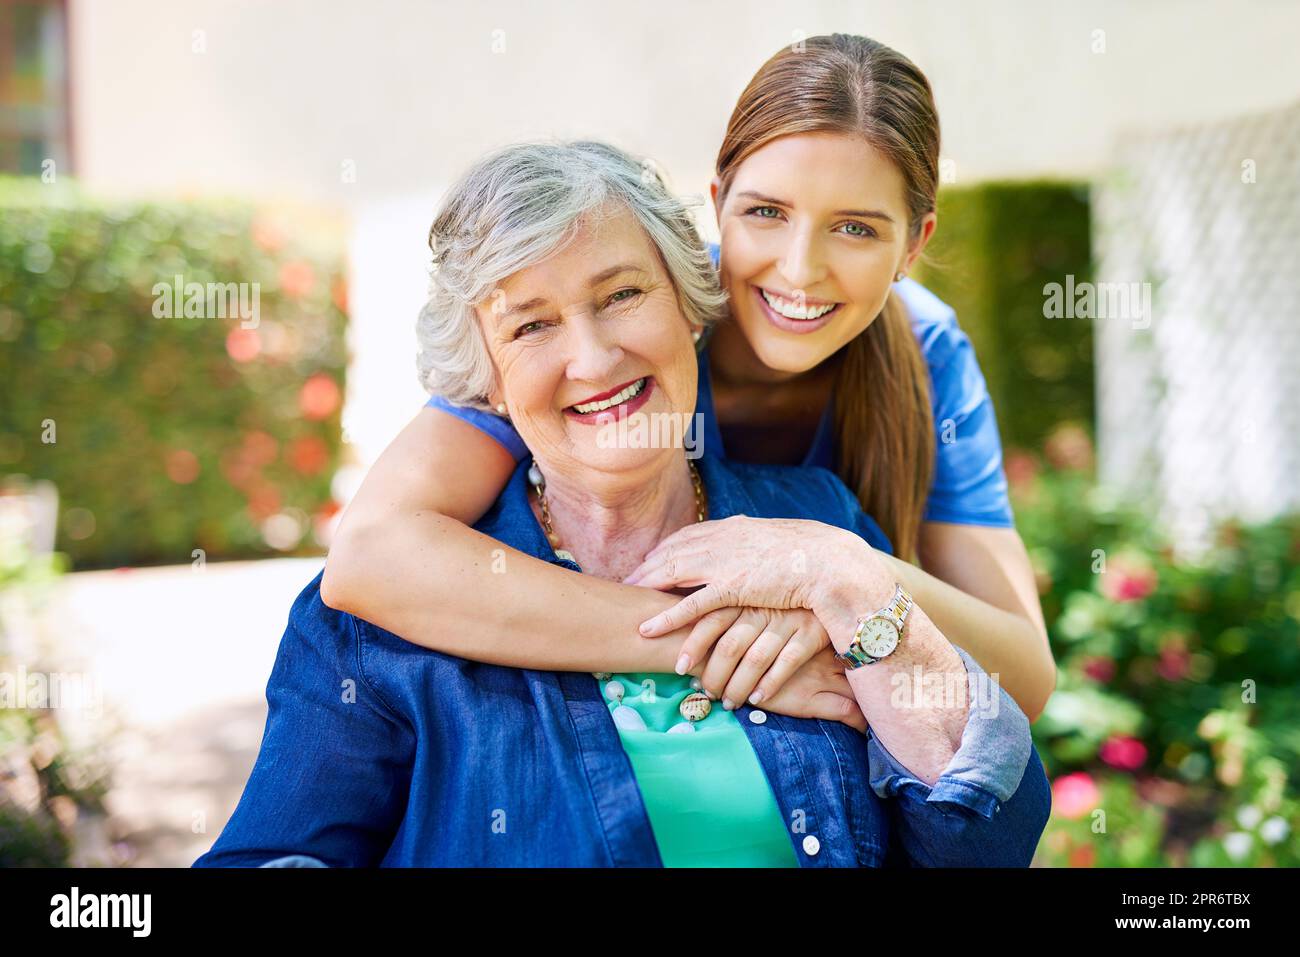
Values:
[(997, 245), (170, 434)]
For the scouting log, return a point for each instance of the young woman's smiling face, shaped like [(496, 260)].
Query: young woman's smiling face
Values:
[(814, 228)]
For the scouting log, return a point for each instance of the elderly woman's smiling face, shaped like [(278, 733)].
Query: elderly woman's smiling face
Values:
[(588, 337)]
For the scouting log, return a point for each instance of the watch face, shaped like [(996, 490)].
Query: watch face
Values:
[(879, 637)]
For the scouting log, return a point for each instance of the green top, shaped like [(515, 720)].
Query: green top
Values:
[(709, 802)]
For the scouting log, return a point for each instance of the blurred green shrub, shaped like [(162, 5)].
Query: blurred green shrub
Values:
[(169, 434), (997, 245), (51, 793), (1177, 710)]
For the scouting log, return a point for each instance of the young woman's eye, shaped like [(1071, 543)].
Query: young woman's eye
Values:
[(763, 212), (859, 229), (623, 295)]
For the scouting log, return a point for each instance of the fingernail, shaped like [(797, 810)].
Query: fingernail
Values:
[(756, 697), (683, 663), (726, 704), (645, 627)]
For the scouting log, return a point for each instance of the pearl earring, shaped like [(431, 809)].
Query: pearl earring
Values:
[(501, 408), (696, 335), (898, 276)]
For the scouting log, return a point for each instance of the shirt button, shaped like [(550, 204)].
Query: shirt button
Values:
[(811, 845), (758, 717)]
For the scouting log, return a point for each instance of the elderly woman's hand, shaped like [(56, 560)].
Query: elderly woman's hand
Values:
[(740, 561)]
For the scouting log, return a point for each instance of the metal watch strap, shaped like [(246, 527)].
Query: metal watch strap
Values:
[(899, 607)]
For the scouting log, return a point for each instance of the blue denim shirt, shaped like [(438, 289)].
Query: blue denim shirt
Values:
[(381, 752)]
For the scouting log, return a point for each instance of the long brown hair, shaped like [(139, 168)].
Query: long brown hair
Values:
[(883, 418)]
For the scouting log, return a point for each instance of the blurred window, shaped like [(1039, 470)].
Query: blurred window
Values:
[(34, 114)]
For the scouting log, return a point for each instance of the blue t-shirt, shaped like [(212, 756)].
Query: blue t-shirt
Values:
[(969, 486)]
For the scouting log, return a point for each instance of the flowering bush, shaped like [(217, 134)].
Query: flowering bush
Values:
[(1174, 733), (170, 420)]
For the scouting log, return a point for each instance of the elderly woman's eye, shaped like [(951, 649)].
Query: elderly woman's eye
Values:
[(623, 295), (528, 327)]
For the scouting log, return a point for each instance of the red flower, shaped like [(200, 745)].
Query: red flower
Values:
[(1125, 753), (1099, 668), (309, 455), (1074, 795), (1128, 579), (1084, 855), (319, 397)]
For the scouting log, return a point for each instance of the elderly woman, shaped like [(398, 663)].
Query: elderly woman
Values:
[(585, 286)]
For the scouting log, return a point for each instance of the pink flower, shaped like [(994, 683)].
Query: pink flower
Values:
[(1125, 753), (243, 345), (1128, 579), (1074, 795), (1174, 664), (1100, 669), (296, 279)]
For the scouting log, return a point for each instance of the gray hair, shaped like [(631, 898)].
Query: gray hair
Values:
[(516, 208)]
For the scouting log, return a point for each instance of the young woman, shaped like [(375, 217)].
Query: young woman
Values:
[(824, 194)]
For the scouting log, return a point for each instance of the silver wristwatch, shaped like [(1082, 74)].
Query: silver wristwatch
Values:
[(878, 634)]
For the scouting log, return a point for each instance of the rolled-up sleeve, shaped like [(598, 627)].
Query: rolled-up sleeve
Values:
[(990, 804), (331, 780)]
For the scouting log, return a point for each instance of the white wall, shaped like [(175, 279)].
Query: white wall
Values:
[(413, 90), (284, 93)]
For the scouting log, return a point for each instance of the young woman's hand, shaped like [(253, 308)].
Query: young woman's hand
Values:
[(819, 689)]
